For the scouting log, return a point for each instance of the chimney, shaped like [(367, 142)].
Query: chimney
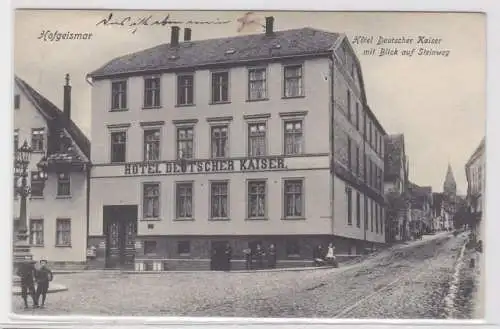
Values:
[(269, 25), (174, 40), (187, 34), (67, 99)]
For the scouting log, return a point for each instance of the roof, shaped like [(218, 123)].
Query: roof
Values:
[(394, 156), (419, 194), (54, 114), (477, 152), (229, 50)]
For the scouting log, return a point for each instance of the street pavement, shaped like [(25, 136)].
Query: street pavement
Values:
[(407, 281)]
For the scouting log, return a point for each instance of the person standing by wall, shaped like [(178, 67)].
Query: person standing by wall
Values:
[(26, 273), (43, 277), (271, 256)]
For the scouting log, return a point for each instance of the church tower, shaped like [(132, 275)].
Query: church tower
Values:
[(449, 186)]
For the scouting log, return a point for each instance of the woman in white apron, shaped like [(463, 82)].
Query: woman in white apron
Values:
[(330, 255)]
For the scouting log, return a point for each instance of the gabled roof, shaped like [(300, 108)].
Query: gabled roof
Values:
[(53, 114), (394, 156), (229, 50)]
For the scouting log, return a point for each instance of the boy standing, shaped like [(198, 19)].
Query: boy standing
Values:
[(43, 277)]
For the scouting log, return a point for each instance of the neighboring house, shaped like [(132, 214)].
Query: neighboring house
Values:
[(396, 188), (421, 208), (476, 184), (56, 208), (438, 213), (222, 141)]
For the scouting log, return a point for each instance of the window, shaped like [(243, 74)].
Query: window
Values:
[(17, 102), (349, 153), (36, 184), (152, 92), (293, 137), (292, 247), (358, 210), (357, 115), (16, 140), (256, 199), (185, 88), (118, 95), (219, 141), (369, 169), (257, 88), (366, 214), (152, 144), (36, 232), (357, 161), (293, 81), (63, 232), (293, 199), (382, 221), (381, 146), (219, 200), (370, 141), (185, 142), (376, 218), (349, 114), (348, 191), (184, 200), (63, 184), (220, 87), (151, 200), (118, 146), (183, 247), (149, 247), (37, 139), (371, 215), (257, 139)]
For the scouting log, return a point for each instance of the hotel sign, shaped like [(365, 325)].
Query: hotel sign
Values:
[(204, 166)]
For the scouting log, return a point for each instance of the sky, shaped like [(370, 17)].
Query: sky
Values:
[(437, 102)]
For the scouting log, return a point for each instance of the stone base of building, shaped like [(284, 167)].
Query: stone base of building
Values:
[(185, 253)]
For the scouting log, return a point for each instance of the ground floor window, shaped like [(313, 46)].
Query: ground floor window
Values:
[(219, 200), (63, 232), (36, 232), (184, 200), (292, 248), (256, 199), (183, 248), (149, 247), (293, 198)]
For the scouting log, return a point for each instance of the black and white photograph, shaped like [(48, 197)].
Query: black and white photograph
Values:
[(249, 164)]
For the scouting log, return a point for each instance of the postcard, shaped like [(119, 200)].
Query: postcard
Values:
[(249, 164)]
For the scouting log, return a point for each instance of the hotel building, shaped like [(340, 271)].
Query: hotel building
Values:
[(257, 139), (57, 207)]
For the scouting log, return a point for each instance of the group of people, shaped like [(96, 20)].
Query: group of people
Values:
[(324, 257), (254, 259), (29, 275)]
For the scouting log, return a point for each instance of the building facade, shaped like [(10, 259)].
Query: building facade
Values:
[(422, 220), (232, 148), (476, 181), (57, 207), (396, 188)]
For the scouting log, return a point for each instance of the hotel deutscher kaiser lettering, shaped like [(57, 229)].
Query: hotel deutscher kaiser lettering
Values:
[(249, 164)]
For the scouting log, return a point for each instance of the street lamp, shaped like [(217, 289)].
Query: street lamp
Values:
[(21, 253)]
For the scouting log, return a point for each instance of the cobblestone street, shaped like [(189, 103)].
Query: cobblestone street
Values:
[(403, 282)]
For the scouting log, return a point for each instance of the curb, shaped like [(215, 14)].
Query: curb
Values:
[(53, 288)]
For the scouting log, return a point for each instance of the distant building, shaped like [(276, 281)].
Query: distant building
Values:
[(450, 201), (57, 214), (421, 208), (256, 139), (476, 184), (396, 188)]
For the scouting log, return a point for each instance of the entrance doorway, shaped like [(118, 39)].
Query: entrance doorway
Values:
[(217, 259), (120, 230)]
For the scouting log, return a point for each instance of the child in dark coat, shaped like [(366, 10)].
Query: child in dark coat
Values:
[(43, 277)]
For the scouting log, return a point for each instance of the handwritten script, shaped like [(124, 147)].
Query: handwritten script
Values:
[(134, 23)]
